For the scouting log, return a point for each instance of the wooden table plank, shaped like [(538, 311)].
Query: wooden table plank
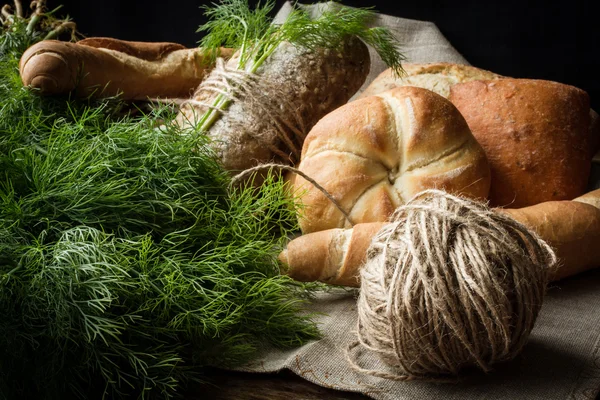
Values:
[(228, 385)]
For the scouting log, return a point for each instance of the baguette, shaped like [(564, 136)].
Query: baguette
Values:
[(106, 67), (335, 256)]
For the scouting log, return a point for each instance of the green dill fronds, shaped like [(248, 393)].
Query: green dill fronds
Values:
[(126, 263), (233, 24), (384, 43)]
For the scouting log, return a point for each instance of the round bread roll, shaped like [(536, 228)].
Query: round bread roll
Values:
[(374, 154), (437, 77), (536, 135)]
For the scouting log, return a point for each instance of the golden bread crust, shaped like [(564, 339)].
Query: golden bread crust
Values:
[(536, 135), (374, 154)]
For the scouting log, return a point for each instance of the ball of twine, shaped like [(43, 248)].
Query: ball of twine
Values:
[(449, 284)]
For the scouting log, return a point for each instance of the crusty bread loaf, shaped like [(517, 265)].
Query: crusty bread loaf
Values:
[(374, 154), (536, 135), (437, 77), (106, 67), (293, 89), (335, 256)]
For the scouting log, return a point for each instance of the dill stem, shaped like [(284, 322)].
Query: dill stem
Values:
[(241, 60), (221, 102), (211, 116), (60, 29), (261, 60), (40, 149), (33, 21), (15, 269)]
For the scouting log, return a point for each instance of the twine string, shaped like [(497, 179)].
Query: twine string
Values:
[(240, 85), (240, 177), (447, 284)]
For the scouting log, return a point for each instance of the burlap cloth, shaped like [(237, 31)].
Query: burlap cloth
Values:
[(561, 360)]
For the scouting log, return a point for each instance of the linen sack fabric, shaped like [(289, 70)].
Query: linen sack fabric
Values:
[(560, 361)]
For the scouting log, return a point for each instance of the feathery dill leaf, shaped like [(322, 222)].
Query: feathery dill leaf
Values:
[(233, 24), (126, 264)]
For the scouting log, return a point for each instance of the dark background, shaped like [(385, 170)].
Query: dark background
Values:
[(558, 41)]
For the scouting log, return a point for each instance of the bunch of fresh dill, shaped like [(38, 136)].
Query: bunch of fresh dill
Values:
[(126, 264)]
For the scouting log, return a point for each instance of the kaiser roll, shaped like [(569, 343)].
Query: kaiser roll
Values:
[(536, 135), (374, 154)]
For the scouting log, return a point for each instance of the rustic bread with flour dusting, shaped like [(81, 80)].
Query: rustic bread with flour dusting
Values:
[(374, 154), (280, 103), (437, 77)]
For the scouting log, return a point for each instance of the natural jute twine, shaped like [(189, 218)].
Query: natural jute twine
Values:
[(259, 97), (240, 177), (448, 283)]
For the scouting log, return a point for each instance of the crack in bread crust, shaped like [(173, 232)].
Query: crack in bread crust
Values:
[(443, 155)]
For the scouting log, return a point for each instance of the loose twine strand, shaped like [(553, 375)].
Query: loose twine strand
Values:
[(266, 101), (448, 283), (269, 166)]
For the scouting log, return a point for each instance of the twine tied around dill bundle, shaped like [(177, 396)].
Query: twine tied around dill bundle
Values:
[(449, 283), (236, 85)]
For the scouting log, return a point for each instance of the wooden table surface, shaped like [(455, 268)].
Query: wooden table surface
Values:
[(227, 385)]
